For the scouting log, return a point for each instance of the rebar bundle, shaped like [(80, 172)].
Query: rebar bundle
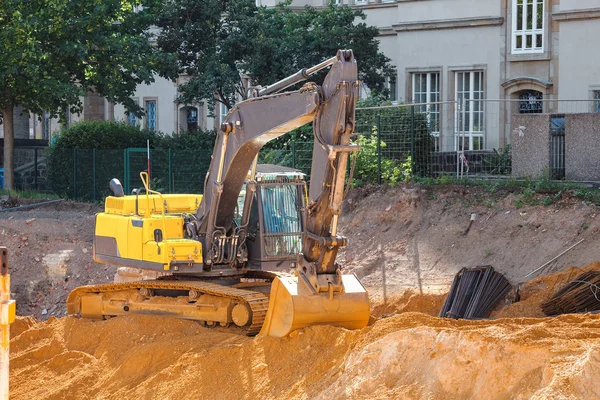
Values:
[(580, 295), (474, 292)]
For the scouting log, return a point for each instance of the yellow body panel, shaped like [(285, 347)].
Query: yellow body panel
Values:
[(173, 203), (134, 233)]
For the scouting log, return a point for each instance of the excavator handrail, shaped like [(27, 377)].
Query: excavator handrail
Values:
[(146, 183)]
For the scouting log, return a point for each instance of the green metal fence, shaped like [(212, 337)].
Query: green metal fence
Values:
[(397, 144), (84, 174), (404, 142)]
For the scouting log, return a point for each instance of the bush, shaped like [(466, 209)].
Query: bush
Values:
[(105, 135), (396, 163), (195, 140), (406, 135), (366, 169)]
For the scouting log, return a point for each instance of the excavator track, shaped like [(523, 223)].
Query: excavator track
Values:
[(256, 301)]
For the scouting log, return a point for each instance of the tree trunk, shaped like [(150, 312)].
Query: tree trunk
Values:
[(9, 146)]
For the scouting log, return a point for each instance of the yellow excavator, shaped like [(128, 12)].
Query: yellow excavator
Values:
[(223, 258)]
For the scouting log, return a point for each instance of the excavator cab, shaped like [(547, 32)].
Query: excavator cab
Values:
[(277, 218)]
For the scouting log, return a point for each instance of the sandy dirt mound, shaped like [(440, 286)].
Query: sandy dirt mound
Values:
[(402, 238), (410, 301), (535, 292), (411, 356)]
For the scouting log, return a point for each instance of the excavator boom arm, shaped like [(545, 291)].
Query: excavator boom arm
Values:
[(256, 121)]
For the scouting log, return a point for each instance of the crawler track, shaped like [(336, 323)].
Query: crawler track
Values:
[(258, 302)]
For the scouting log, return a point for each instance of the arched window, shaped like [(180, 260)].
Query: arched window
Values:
[(192, 119), (531, 102)]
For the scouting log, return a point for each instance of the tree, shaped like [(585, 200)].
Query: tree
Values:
[(221, 44), (56, 51)]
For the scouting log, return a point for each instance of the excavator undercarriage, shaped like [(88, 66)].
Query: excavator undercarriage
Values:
[(210, 303), (226, 256)]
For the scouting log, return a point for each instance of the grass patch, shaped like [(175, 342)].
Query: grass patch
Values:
[(533, 192), (29, 194)]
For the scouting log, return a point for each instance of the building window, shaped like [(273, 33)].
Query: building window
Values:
[(67, 121), (361, 2), (528, 26), (132, 119), (151, 114), (596, 94), (531, 102), (192, 119), (222, 112), (46, 125), (392, 88), (469, 111), (426, 96)]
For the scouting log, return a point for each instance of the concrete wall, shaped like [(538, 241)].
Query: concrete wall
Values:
[(165, 93), (582, 147), (530, 145), (579, 67), (578, 4), (413, 11)]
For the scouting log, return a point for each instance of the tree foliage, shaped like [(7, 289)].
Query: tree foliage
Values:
[(55, 51), (219, 45)]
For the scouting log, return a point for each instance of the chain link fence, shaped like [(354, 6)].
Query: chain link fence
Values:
[(469, 138)]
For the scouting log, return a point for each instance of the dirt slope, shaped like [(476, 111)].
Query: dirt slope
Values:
[(399, 238), (403, 238), (49, 254), (412, 356)]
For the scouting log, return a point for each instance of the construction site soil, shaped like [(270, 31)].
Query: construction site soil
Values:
[(406, 244)]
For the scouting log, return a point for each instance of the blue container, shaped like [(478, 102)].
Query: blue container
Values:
[(1, 178)]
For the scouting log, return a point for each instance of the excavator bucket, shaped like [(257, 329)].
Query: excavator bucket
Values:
[(290, 309)]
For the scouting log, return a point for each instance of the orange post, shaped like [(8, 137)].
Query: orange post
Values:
[(7, 316)]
